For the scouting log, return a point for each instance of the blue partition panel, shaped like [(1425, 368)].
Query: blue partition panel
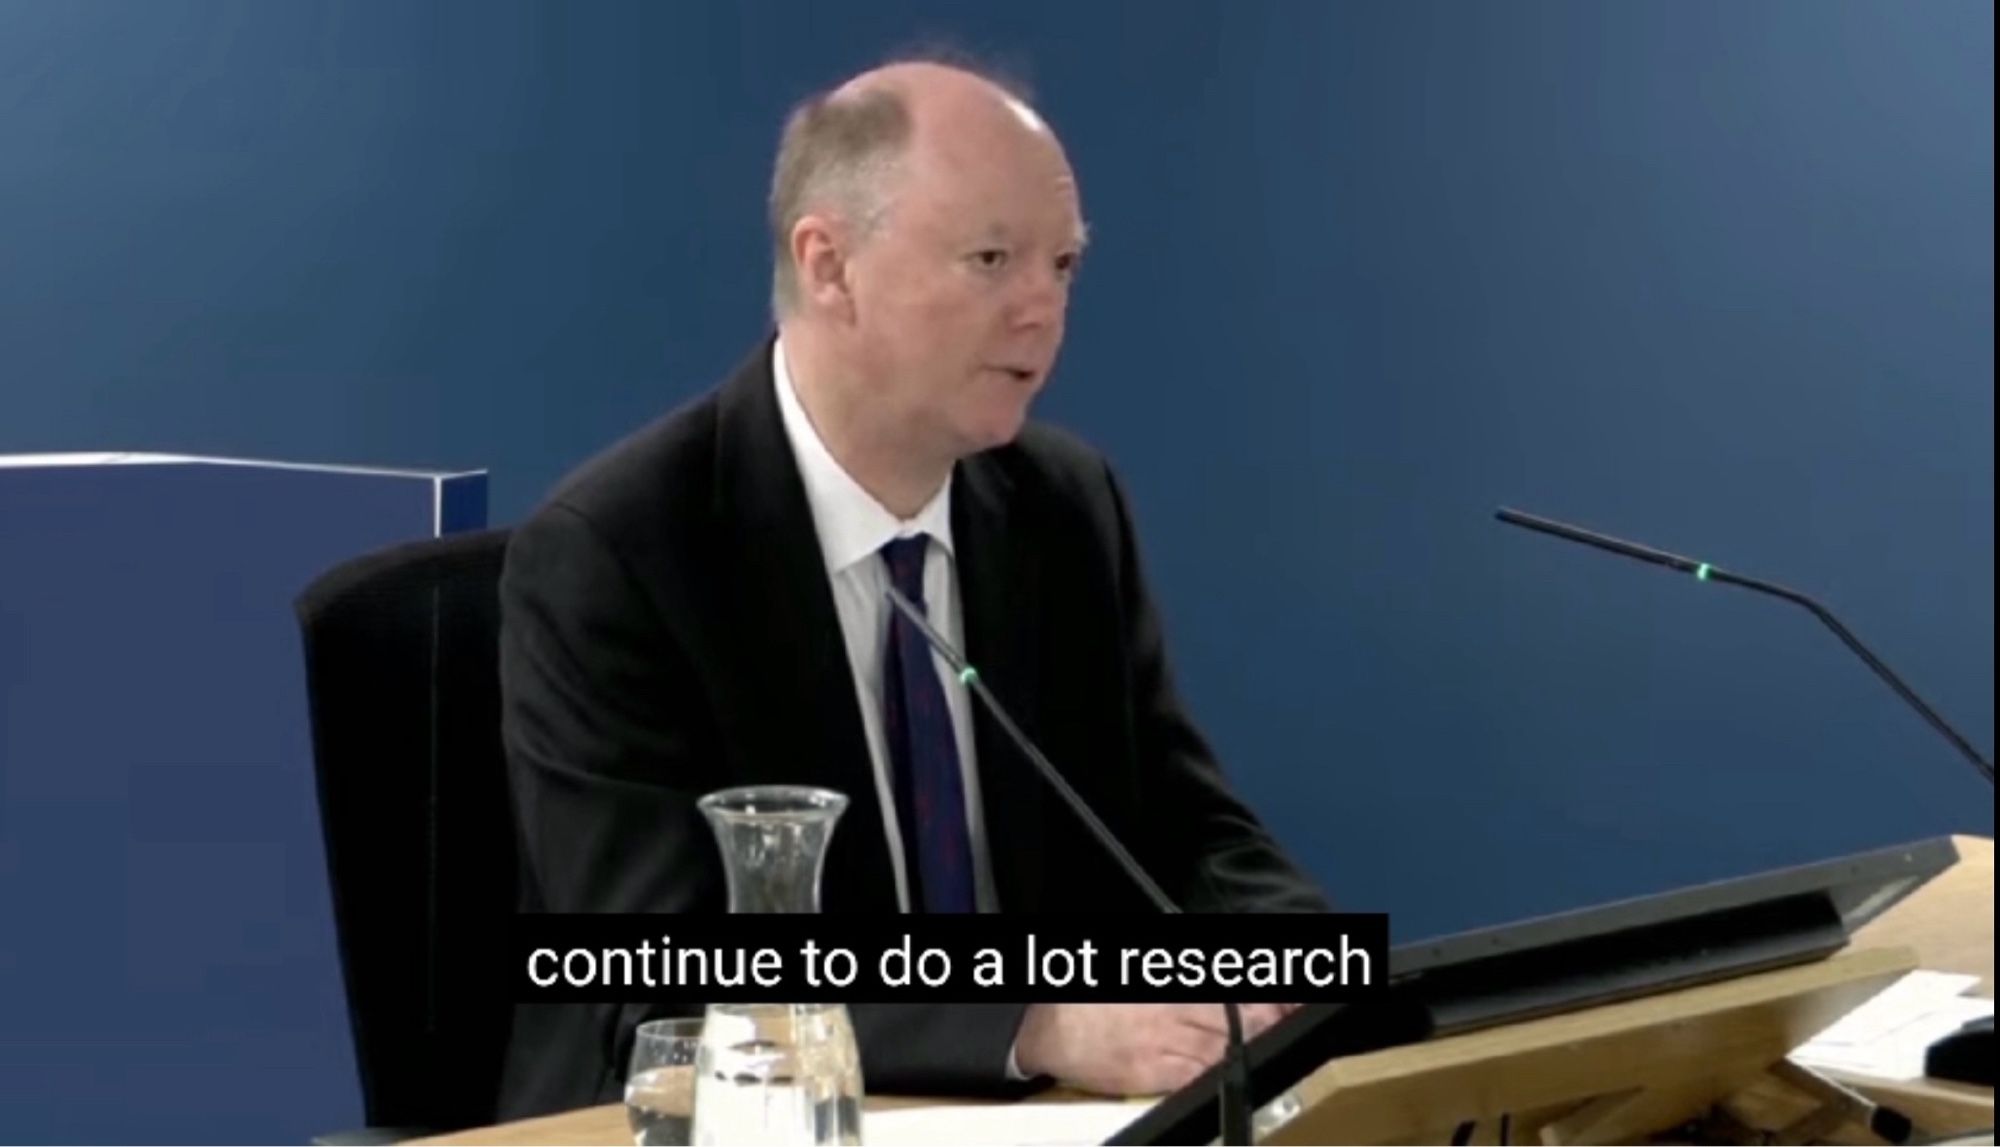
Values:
[(168, 968)]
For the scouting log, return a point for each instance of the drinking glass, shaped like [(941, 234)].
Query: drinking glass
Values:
[(659, 1090)]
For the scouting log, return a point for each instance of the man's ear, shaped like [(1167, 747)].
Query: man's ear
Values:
[(820, 252)]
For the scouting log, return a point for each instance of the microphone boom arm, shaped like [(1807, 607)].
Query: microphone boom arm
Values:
[(1233, 1084), (1706, 572)]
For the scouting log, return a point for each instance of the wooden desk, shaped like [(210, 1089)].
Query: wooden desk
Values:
[(1949, 923), (595, 1127)]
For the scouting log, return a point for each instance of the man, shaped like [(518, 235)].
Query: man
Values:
[(703, 606)]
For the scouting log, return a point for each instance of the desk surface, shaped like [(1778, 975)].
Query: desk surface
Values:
[(1949, 922)]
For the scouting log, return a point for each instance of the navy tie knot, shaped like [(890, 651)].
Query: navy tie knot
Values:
[(905, 558)]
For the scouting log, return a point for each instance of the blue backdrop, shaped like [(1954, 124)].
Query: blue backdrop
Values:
[(1717, 276)]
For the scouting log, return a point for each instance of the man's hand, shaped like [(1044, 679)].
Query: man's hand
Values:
[(1130, 1049)]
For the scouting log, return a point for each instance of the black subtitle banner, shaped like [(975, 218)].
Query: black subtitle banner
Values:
[(949, 959)]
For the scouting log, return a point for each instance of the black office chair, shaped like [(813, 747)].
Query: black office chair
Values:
[(402, 671)]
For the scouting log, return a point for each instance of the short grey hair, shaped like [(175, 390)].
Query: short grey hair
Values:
[(839, 151)]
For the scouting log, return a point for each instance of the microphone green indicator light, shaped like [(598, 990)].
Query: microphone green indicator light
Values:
[(1701, 571)]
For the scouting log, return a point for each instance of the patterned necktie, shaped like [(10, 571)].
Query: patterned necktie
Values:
[(923, 750)]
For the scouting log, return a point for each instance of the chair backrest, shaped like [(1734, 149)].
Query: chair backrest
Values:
[(402, 672)]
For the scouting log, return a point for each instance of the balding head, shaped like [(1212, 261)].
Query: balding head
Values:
[(947, 97), (927, 229), (843, 151)]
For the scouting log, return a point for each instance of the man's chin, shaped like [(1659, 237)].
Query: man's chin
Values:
[(993, 432)]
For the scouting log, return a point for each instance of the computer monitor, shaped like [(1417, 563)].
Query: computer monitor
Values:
[(1571, 960)]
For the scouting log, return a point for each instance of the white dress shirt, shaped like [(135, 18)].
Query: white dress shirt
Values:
[(852, 528)]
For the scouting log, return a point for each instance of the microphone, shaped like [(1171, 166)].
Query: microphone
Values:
[(1703, 571), (1233, 1085)]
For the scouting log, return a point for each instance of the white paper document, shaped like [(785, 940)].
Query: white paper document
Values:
[(1886, 1037), (1000, 1125)]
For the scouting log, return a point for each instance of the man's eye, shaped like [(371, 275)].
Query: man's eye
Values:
[(1066, 265), (991, 259)]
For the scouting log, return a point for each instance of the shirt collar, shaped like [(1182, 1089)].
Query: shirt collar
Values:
[(851, 524)]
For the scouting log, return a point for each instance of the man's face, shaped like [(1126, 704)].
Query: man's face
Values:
[(960, 295)]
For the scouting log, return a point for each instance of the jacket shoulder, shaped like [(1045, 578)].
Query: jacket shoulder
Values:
[(1051, 464), (656, 473)]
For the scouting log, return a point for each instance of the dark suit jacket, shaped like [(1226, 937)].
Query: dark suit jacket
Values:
[(668, 630)]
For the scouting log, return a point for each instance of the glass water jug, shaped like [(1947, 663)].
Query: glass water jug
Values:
[(769, 1072)]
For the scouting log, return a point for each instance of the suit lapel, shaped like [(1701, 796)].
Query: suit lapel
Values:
[(1000, 591), (792, 649)]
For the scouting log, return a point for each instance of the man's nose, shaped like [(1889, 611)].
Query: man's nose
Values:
[(1042, 299)]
